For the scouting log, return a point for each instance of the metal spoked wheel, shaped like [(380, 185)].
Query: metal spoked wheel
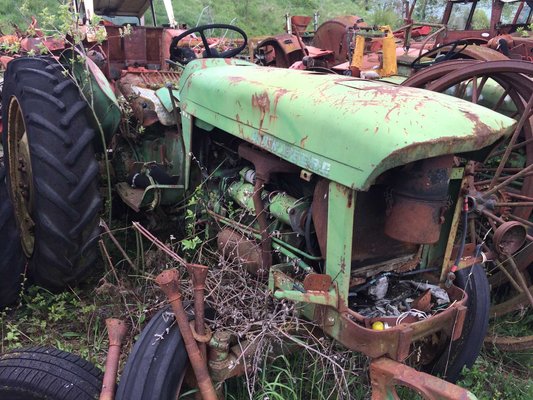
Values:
[(500, 187)]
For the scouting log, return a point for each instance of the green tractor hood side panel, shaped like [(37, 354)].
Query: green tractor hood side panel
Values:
[(345, 129)]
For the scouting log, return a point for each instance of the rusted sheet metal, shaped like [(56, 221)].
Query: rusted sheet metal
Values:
[(418, 201), (386, 375), (483, 53), (146, 105), (317, 283), (332, 35), (116, 330), (354, 331), (281, 50), (403, 124), (299, 23), (423, 302), (35, 43)]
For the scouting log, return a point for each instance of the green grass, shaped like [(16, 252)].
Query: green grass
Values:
[(493, 378)]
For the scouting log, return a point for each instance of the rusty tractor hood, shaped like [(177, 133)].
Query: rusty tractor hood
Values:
[(345, 129)]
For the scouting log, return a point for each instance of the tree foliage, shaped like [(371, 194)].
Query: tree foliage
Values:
[(257, 17)]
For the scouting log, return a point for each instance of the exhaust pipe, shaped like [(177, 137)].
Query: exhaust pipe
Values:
[(116, 330), (168, 281)]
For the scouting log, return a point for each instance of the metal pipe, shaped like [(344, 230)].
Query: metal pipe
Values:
[(521, 280), (168, 281), (316, 15), (199, 275), (153, 12), (288, 24), (508, 180), (260, 213), (512, 142), (116, 243), (116, 330)]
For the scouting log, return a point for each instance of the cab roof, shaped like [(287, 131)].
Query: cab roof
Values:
[(133, 8)]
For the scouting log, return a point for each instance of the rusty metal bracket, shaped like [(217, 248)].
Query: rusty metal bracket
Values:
[(317, 288), (386, 375)]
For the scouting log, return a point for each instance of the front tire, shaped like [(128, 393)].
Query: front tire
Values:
[(157, 363), (464, 351), (42, 373), (52, 172)]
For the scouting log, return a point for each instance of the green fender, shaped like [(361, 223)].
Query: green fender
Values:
[(100, 96)]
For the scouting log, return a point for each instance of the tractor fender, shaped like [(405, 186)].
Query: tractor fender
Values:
[(281, 50), (99, 93), (483, 53)]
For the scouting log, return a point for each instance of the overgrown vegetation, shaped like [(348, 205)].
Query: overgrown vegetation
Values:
[(315, 368)]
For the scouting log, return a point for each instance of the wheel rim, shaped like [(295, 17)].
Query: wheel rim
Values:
[(20, 175), (502, 185)]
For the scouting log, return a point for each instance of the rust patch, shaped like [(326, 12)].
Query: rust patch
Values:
[(239, 125), (387, 116), (350, 199), (236, 79), (304, 140), (277, 96), (262, 102), (317, 283)]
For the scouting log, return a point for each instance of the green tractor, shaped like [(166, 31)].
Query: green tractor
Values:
[(351, 189)]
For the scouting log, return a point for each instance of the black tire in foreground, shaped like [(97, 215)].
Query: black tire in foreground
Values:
[(40, 373), (464, 351), (52, 172), (157, 364), (12, 260)]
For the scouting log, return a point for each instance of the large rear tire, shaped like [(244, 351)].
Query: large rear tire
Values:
[(42, 373), (12, 260), (52, 172)]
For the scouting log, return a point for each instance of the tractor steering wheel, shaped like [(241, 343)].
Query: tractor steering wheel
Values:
[(176, 53), (450, 54)]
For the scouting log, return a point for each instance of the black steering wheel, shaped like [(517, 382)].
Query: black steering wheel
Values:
[(450, 50), (184, 55)]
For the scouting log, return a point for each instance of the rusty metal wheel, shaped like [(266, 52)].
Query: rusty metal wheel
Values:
[(500, 186)]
